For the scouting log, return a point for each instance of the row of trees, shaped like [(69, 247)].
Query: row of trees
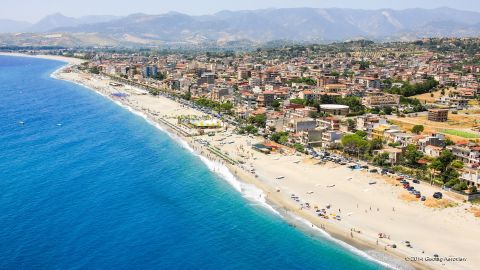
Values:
[(358, 145), (408, 90), (282, 138), (225, 107), (305, 80), (444, 169)]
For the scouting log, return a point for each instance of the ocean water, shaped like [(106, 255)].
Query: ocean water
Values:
[(86, 184)]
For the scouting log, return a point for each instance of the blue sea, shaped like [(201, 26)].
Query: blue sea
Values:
[(86, 184)]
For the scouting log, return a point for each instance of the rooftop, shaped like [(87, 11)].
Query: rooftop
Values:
[(333, 106)]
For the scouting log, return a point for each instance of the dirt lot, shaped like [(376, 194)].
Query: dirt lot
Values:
[(460, 121), (428, 98)]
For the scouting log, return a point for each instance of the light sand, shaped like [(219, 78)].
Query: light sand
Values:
[(68, 60), (366, 209)]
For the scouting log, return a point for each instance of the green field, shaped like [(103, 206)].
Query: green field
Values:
[(460, 133)]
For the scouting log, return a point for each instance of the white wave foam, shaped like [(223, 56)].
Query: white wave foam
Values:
[(345, 245), (248, 191)]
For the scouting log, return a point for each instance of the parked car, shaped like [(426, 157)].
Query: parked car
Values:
[(437, 195), (373, 171), (423, 198), (416, 181)]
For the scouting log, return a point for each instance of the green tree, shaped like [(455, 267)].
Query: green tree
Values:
[(381, 159), (417, 129), (299, 147), (354, 144), (259, 120), (280, 137), (276, 104), (361, 133), (447, 167), (412, 155), (297, 101), (375, 144), (351, 124)]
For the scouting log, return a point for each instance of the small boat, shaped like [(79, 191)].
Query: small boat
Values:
[(21, 122), (59, 125)]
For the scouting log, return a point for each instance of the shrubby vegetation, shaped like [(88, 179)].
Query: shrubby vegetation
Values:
[(408, 90), (305, 80)]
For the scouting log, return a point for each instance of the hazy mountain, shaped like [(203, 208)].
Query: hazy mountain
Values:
[(58, 20), (302, 24), (294, 24), (11, 26)]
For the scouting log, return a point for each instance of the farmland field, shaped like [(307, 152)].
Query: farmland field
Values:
[(460, 133)]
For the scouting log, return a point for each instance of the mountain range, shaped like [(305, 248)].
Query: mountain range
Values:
[(251, 26)]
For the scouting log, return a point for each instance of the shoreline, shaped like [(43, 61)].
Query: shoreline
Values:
[(293, 217), (271, 203), (307, 222), (70, 61)]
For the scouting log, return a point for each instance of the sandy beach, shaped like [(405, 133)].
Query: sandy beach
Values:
[(298, 187), (69, 60)]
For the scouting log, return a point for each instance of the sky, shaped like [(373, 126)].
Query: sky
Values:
[(33, 10)]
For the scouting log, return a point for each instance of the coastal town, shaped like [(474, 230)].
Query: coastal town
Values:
[(338, 134), (407, 107)]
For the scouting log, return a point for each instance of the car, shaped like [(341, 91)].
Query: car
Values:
[(423, 198), (410, 188), (437, 195), (373, 171), (416, 181), (417, 195)]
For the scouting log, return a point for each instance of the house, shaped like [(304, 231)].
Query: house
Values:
[(206, 78), (329, 123), (335, 88), (303, 124), (380, 100), (368, 82), (432, 151), (368, 122), (315, 137), (308, 95), (330, 138), (394, 154), (219, 92), (469, 154), (402, 138), (334, 109), (437, 140), (378, 132), (472, 177), (266, 99)]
